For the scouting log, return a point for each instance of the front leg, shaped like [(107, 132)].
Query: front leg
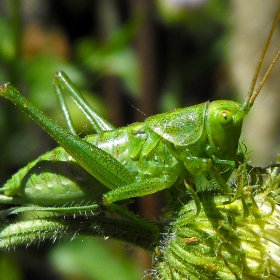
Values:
[(199, 166), (217, 160)]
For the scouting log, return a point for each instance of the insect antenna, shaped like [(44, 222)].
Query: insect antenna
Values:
[(252, 95)]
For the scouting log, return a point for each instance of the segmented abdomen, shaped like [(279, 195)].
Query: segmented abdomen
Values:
[(56, 179)]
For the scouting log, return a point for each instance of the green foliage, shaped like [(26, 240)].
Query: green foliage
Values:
[(76, 260)]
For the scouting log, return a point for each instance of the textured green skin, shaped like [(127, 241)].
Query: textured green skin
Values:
[(158, 153), (54, 179), (188, 140)]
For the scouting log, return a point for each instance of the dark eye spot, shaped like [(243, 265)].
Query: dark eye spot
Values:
[(224, 117)]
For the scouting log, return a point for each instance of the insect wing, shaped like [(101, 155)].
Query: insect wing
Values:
[(182, 126)]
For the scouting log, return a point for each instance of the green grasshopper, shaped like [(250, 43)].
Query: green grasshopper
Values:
[(133, 161)]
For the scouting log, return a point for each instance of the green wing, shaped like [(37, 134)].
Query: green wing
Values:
[(182, 126)]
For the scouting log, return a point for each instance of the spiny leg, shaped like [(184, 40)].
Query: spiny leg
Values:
[(63, 83), (64, 210), (98, 163), (138, 189)]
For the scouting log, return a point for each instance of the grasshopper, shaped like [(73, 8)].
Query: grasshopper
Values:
[(133, 161)]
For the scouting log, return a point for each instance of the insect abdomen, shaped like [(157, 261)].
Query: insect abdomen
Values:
[(55, 178), (124, 144)]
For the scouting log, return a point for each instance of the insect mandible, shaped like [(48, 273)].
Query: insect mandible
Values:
[(131, 161)]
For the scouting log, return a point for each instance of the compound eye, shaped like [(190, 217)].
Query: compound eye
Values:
[(224, 117)]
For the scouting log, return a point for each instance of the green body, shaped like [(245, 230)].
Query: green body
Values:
[(162, 151), (133, 161)]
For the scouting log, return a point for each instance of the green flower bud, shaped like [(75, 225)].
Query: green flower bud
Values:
[(216, 237)]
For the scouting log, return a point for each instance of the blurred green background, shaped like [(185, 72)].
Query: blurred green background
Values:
[(131, 59)]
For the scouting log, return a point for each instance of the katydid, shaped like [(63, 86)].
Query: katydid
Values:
[(131, 161)]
